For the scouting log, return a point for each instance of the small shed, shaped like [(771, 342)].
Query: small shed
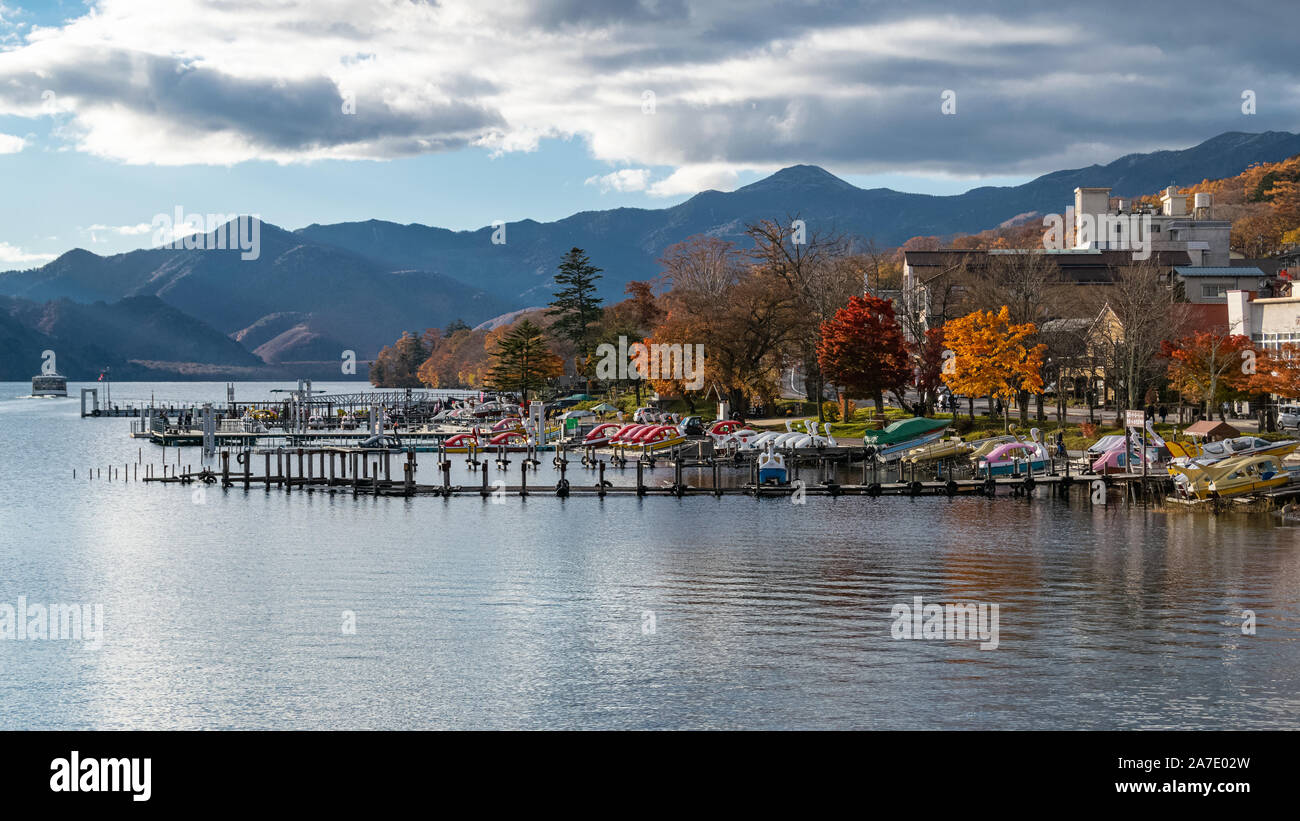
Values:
[(1211, 431)]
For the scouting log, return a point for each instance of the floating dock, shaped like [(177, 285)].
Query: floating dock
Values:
[(370, 472)]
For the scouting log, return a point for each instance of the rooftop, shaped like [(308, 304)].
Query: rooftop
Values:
[(1218, 271)]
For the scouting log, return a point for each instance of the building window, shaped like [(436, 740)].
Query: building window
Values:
[(1214, 291)]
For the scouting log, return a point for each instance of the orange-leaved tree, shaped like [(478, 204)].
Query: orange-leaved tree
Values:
[(1275, 371), (862, 350), (992, 356), (1209, 368)]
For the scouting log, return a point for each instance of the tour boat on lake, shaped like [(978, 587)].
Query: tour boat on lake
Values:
[(49, 384)]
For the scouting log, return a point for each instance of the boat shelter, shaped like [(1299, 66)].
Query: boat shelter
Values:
[(1211, 431)]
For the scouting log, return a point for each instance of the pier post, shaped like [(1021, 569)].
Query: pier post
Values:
[(484, 491), (523, 479), (248, 467), (301, 473), (640, 483), (267, 484), (601, 479), (225, 468)]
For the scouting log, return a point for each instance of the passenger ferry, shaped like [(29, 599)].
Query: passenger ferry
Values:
[(50, 384)]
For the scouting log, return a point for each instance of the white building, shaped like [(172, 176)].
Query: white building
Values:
[(1269, 322), (1174, 228)]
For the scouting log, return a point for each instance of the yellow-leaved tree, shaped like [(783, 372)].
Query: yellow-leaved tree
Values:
[(991, 356)]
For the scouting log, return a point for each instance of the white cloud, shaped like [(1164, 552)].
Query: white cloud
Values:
[(9, 144), (124, 230), (694, 178), (626, 179), (736, 85), (12, 255)]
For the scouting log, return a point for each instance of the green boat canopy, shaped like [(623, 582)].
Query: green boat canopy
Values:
[(905, 429)]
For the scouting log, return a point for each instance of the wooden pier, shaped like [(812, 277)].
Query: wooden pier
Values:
[(371, 472)]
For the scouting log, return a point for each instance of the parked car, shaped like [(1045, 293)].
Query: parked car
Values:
[(692, 426), (646, 416), (1288, 417)]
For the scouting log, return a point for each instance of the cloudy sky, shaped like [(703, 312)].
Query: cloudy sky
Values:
[(461, 112)]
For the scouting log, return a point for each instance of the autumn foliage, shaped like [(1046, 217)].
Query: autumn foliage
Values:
[(992, 356), (1209, 368), (862, 349)]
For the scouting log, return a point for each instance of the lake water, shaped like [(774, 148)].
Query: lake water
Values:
[(227, 610)]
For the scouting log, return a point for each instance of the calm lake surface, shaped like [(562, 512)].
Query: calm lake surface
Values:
[(622, 613)]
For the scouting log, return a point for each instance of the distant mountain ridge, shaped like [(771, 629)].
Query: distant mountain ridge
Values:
[(122, 336), (343, 301), (627, 242), (323, 289)]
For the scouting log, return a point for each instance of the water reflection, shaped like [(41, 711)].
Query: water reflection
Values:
[(533, 613)]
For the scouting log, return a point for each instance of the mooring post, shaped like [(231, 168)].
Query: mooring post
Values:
[(248, 467), (601, 478), (523, 478), (266, 485), (301, 473), (640, 484), (225, 468), (484, 491)]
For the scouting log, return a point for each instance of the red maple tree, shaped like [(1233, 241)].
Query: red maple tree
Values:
[(862, 350)]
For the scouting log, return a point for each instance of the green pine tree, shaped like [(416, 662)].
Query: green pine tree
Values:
[(522, 361), (576, 307)]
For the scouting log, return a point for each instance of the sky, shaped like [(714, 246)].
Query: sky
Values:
[(463, 112)]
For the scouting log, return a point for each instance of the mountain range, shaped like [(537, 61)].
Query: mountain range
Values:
[(317, 291)]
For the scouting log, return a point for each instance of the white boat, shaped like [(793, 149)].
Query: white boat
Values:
[(49, 384)]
